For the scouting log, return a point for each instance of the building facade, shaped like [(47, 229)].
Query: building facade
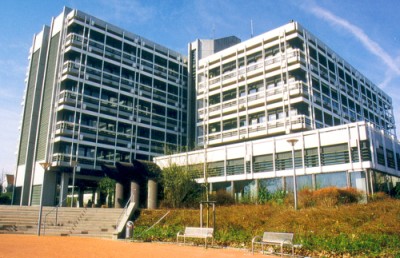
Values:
[(283, 81), (286, 84), (95, 95), (98, 96), (353, 155)]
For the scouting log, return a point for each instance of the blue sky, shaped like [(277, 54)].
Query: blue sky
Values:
[(366, 33)]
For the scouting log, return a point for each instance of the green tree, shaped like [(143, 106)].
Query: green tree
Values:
[(180, 188), (107, 187)]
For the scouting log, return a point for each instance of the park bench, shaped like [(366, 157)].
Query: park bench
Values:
[(274, 238), (193, 232)]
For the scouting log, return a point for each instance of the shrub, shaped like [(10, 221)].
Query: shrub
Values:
[(306, 198), (349, 195), (278, 197), (5, 198), (222, 198), (379, 196), (329, 197), (180, 188), (396, 191)]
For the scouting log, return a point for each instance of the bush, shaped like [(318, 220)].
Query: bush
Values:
[(379, 196), (306, 198), (180, 188), (328, 197), (222, 198), (349, 195), (5, 198), (370, 230)]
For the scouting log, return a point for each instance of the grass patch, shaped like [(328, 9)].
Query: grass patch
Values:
[(345, 230)]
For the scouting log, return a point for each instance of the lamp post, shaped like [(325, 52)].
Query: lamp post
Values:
[(45, 166), (74, 163), (293, 142)]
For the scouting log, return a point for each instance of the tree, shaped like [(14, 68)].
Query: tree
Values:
[(180, 188), (107, 187)]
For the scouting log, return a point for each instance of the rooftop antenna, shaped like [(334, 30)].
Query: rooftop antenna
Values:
[(251, 27), (213, 31)]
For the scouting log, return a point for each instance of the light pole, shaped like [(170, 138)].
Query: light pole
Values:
[(293, 142), (45, 166), (74, 163)]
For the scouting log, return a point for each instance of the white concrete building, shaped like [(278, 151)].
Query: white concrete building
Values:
[(95, 95), (255, 95)]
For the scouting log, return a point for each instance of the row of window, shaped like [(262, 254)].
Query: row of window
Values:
[(329, 155)]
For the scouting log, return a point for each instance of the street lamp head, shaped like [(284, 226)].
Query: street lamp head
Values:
[(45, 165), (292, 141)]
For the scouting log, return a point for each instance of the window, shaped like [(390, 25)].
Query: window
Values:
[(235, 167), (335, 154), (390, 159), (215, 168), (263, 163), (337, 179), (283, 161), (380, 155), (311, 157)]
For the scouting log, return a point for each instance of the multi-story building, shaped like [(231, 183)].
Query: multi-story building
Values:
[(95, 94), (283, 81), (98, 96), (286, 84)]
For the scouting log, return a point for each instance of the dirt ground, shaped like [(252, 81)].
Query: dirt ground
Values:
[(16, 246)]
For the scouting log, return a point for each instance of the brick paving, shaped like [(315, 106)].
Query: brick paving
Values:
[(15, 246)]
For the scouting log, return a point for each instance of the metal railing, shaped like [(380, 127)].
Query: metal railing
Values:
[(123, 213), (51, 211)]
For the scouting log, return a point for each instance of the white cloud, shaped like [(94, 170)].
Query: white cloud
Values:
[(372, 46)]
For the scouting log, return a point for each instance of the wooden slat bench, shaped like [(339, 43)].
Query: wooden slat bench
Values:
[(274, 238), (193, 232)]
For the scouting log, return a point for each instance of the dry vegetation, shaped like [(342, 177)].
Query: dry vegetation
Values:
[(328, 224)]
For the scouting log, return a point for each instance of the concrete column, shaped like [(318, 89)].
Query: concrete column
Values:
[(151, 194), (64, 189), (135, 193), (97, 200), (254, 190), (93, 197), (49, 188), (80, 197), (233, 190), (119, 195)]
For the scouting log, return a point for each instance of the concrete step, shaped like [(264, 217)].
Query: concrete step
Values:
[(87, 222)]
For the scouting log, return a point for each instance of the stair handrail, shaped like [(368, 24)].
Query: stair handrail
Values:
[(127, 209), (55, 208)]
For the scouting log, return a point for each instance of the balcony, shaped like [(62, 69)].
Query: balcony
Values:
[(64, 159), (74, 40), (67, 97), (70, 67)]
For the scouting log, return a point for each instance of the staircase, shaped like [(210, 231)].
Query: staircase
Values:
[(87, 222)]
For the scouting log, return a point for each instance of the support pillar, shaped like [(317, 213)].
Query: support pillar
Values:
[(80, 197), (151, 194), (255, 190), (64, 189), (233, 190), (49, 188), (94, 197), (135, 193), (119, 195)]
